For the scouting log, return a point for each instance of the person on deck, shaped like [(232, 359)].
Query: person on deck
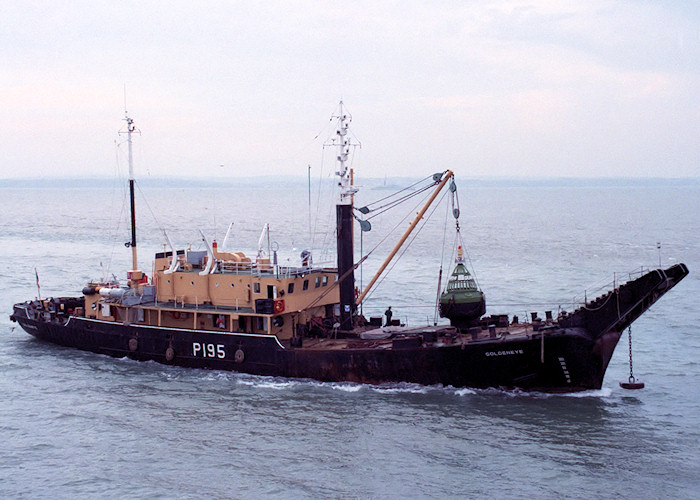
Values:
[(388, 315)]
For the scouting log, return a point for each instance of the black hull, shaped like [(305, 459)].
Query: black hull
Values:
[(573, 355), (572, 361)]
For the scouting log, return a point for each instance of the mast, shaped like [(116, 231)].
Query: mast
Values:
[(344, 221), (131, 128)]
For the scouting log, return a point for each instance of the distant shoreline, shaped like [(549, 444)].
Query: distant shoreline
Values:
[(390, 183)]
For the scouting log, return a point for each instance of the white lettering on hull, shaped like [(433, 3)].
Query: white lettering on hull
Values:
[(206, 350), (505, 353)]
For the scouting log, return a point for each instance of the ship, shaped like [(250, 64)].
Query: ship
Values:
[(223, 310)]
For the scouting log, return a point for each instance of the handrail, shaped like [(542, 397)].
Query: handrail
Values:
[(594, 289)]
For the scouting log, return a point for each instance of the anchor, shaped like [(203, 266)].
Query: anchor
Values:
[(632, 383)]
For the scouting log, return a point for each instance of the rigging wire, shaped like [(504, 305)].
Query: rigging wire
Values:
[(328, 234), (323, 221), (389, 233), (118, 176), (420, 202), (407, 246), (444, 235), (145, 200), (471, 266), (442, 261), (459, 241), (455, 204), (327, 220), (318, 197), (398, 201), (399, 191)]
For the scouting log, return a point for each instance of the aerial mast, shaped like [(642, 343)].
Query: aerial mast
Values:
[(344, 220), (131, 128)]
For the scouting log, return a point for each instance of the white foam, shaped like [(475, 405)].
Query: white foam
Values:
[(401, 388), (464, 392), (518, 393), (269, 383), (350, 387), (599, 393)]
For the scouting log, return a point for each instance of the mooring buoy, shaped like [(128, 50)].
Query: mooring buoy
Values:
[(632, 383)]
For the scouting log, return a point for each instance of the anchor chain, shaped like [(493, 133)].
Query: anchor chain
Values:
[(629, 341), (632, 383)]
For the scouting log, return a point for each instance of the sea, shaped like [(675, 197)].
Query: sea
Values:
[(81, 425)]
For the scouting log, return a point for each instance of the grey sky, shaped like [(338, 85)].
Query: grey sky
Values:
[(512, 88)]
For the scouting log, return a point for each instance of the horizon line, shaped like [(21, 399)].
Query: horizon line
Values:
[(304, 177)]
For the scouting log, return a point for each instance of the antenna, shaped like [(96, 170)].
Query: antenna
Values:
[(226, 238), (343, 145), (344, 220), (131, 128), (310, 230)]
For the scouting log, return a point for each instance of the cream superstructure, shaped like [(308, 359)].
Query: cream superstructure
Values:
[(233, 293)]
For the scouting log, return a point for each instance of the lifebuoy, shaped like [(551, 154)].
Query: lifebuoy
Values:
[(169, 353), (278, 306), (176, 314)]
